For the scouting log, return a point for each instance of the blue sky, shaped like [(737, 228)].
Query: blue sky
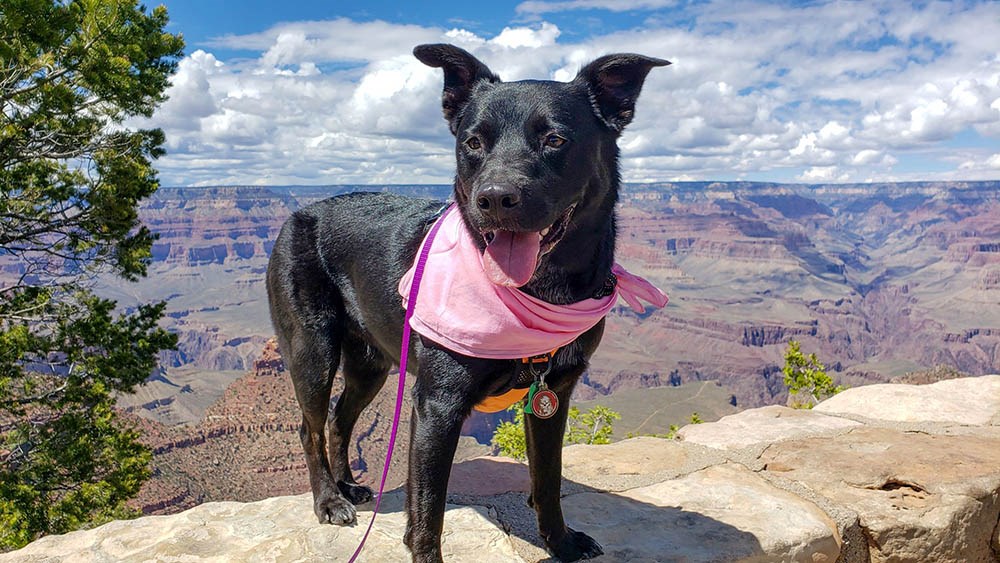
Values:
[(204, 20), (326, 92)]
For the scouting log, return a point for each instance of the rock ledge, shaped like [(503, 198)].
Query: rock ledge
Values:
[(883, 473)]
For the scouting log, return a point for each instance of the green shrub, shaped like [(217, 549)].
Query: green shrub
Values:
[(806, 375), (594, 426)]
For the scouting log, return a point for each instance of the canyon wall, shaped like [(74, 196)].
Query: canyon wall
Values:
[(877, 279)]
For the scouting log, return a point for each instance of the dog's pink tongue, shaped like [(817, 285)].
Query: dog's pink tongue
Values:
[(510, 258)]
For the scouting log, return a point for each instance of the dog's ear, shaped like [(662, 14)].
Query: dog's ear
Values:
[(461, 73), (614, 83)]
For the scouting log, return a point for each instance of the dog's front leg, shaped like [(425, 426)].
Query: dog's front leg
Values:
[(441, 403), (545, 442)]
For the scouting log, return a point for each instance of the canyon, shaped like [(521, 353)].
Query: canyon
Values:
[(877, 279), (880, 281)]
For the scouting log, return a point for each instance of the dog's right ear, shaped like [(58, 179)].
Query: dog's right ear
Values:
[(461, 73)]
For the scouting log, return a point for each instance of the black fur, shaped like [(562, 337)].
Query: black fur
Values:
[(540, 148)]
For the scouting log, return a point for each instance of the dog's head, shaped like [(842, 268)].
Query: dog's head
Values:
[(536, 158)]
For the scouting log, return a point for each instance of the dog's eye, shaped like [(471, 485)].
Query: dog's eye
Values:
[(474, 143), (554, 141)]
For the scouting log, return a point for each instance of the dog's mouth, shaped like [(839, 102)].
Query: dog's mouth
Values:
[(511, 257)]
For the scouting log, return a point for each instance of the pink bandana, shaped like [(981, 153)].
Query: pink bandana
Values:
[(462, 310)]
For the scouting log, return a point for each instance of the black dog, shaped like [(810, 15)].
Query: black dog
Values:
[(533, 156)]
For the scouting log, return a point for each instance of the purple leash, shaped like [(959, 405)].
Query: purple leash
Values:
[(418, 273)]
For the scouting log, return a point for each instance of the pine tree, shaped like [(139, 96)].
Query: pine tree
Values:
[(72, 171)]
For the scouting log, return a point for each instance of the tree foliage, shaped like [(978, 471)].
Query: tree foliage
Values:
[(594, 426), (508, 438), (72, 171), (806, 375)]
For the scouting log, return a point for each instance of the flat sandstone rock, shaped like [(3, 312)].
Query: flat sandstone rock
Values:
[(485, 476), (763, 426), (971, 401), (276, 529), (919, 497), (626, 464), (722, 513)]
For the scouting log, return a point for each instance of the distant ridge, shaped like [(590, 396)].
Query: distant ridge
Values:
[(821, 190)]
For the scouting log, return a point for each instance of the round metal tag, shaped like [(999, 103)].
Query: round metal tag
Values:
[(544, 404)]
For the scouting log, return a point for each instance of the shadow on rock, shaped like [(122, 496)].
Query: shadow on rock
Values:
[(629, 529)]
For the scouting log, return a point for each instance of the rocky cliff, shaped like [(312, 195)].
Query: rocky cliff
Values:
[(878, 280), (246, 446), (892, 472)]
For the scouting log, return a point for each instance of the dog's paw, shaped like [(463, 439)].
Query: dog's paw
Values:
[(335, 510), (357, 494), (575, 546)]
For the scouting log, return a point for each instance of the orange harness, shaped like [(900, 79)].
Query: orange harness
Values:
[(497, 403)]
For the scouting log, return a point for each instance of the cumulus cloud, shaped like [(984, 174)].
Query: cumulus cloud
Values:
[(865, 157), (512, 37), (821, 92), (190, 94), (821, 174), (339, 40)]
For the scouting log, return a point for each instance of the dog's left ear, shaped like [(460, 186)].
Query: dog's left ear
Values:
[(461, 73), (614, 82)]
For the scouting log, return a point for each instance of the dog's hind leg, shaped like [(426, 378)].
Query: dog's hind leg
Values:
[(365, 371), (313, 362)]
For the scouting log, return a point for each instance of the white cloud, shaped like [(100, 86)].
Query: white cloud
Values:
[(866, 156), (833, 135), (824, 92), (513, 37), (819, 174), (341, 39), (809, 151), (190, 95), (994, 161), (464, 38), (398, 97)]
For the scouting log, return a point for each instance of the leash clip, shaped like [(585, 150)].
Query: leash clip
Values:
[(535, 363)]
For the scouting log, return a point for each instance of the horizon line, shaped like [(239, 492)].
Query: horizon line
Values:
[(649, 183)]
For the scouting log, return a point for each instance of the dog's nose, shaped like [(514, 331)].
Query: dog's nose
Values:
[(498, 200)]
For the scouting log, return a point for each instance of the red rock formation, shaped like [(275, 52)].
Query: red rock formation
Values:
[(247, 445), (215, 225)]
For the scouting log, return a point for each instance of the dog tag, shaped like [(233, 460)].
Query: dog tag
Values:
[(544, 403)]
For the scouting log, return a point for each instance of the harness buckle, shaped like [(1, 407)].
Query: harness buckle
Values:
[(539, 366)]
